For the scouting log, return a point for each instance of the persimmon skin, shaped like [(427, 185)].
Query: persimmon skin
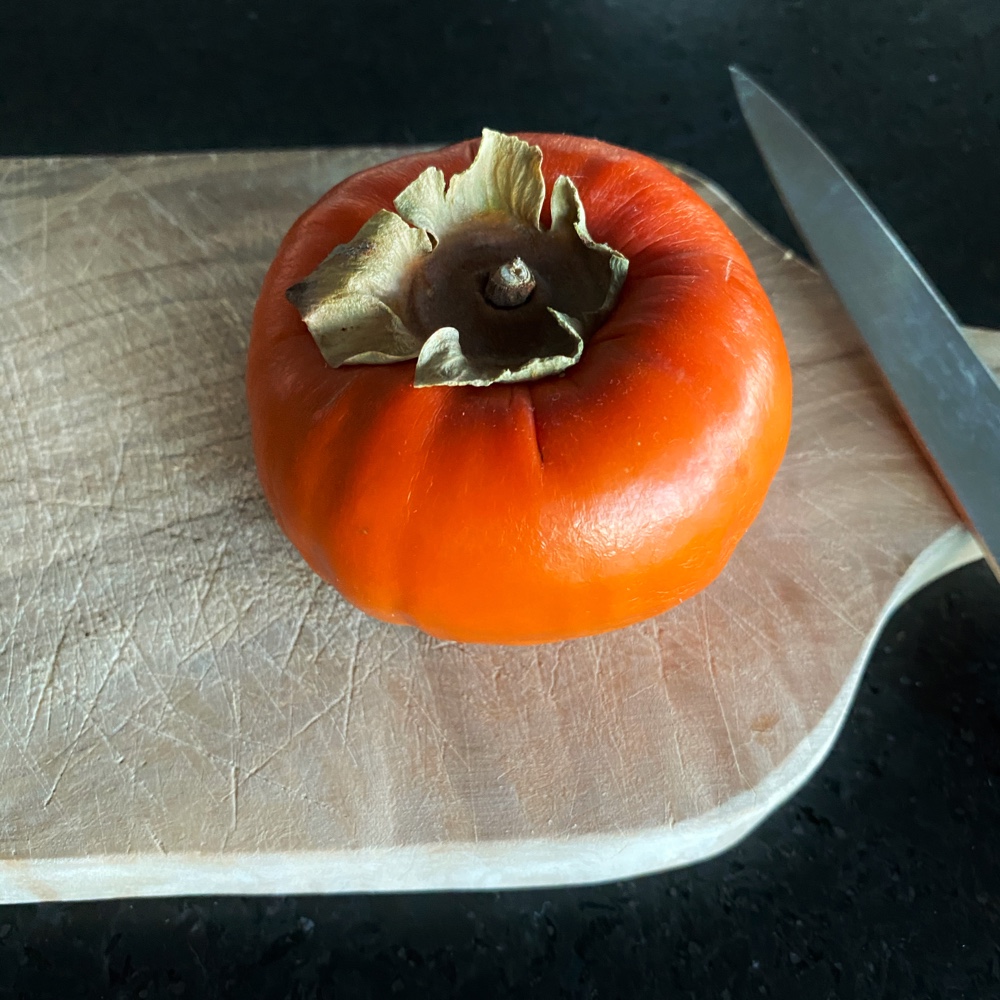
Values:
[(545, 510)]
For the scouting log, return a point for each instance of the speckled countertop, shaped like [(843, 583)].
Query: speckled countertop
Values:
[(882, 876)]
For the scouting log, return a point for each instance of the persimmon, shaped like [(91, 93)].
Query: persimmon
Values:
[(543, 398)]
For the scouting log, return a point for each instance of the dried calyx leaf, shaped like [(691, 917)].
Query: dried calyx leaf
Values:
[(464, 279)]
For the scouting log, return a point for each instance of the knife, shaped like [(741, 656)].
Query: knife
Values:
[(949, 398)]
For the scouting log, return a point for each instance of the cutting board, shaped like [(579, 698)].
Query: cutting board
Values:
[(187, 709)]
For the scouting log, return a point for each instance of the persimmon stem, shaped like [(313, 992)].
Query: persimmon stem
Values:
[(510, 285)]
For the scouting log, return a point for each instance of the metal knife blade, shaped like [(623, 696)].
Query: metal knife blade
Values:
[(949, 398)]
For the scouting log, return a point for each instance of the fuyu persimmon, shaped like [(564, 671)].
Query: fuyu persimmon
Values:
[(516, 493)]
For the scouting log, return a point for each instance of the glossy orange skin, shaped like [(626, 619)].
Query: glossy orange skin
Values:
[(546, 510)]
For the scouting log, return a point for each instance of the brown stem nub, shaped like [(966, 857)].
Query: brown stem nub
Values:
[(510, 285)]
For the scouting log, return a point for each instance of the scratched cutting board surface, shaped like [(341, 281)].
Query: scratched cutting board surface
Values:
[(186, 708)]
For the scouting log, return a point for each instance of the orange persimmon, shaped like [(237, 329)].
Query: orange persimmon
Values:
[(539, 510)]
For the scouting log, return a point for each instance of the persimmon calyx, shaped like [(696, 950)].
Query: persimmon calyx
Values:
[(463, 277)]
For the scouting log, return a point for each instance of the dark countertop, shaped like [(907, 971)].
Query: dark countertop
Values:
[(882, 876)]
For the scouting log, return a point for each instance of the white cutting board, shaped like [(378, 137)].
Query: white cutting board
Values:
[(187, 709)]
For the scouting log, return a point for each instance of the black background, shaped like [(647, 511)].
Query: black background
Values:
[(880, 878)]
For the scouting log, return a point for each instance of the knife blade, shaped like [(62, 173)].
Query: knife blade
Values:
[(948, 397)]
